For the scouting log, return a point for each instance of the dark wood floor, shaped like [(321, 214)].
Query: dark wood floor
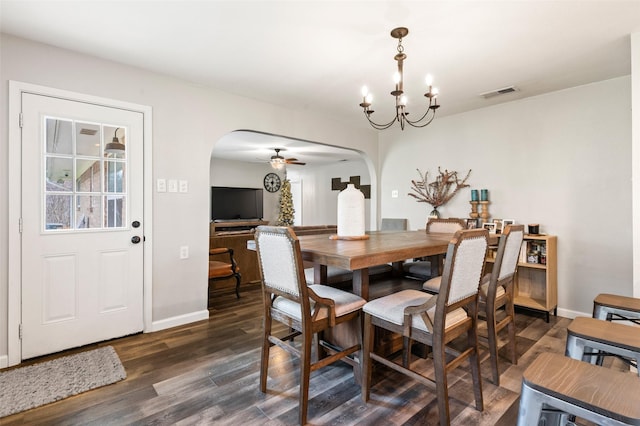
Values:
[(207, 373)]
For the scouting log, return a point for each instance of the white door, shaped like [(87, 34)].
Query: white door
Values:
[(296, 196), (82, 230)]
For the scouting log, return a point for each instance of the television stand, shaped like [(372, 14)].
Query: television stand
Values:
[(235, 225)]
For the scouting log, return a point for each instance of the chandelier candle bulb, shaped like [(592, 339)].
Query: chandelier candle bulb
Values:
[(484, 195)]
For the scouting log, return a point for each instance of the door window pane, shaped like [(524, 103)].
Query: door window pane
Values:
[(59, 172), (88, 212), (84, 175), (88, 175), (59, 136), (114, 211), (114, 176), (58, 212), (88, 139), (114, 142)]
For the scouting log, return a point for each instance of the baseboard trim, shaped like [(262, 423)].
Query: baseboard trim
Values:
[(567, 313), (4, 361), (178, 320)]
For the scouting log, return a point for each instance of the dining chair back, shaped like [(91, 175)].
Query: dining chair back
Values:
[(497, 292), (422, 268), (434, 320), (449, 226), (304, 310), (394, 224)]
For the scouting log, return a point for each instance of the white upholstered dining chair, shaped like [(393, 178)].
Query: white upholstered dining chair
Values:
[(305, 310), (495, 303), (434, 320)]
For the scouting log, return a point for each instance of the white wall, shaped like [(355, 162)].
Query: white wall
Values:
[(562, 159), (188, 120), (635, 126)]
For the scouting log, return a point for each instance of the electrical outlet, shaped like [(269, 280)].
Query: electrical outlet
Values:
[(172, 185), (184, 252), (394, 193)]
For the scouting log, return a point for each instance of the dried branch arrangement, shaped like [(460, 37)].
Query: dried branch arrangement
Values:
[(441, 190)]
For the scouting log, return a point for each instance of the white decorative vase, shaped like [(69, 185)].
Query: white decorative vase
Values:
[(351, 212)]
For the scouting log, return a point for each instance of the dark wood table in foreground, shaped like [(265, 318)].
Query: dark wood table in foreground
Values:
[(359, 255)]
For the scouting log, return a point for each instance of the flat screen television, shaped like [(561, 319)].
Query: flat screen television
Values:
[(229, 203)]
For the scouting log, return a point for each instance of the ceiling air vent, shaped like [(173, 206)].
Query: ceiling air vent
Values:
[(90, 132), (497, 92)]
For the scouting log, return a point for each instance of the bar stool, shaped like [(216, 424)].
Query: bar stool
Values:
[(596, 394), (611, 307), (587, 334)]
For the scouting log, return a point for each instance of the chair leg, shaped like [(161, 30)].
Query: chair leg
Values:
[(575, 348), (511, 330), (442, 390), (238, 278), (406, 352), (305, 375), (357, 369), (264, 362), (530, 407), (474, 361), (367, 347), (492, 338)]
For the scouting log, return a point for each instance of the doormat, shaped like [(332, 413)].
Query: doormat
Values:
[(39, 384)]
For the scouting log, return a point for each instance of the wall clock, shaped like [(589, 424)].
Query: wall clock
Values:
[(272, 182)]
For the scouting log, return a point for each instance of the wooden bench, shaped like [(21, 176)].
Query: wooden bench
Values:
[(596, 394), (587, 334), (611, 307)]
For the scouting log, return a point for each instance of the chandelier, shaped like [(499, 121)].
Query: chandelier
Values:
[(401, 99)]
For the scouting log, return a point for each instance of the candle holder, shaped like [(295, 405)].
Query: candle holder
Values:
[(484, 214), (474, 210)]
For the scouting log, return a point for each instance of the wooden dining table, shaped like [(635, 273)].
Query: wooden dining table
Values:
[(381, 247)]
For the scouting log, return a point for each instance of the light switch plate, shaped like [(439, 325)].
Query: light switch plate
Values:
[(172, 185), (161, 185), (183, 186), (184, 252)]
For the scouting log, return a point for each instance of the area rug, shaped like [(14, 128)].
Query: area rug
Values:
[(38, 384)]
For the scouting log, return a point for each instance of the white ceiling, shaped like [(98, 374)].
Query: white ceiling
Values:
[(316, 55)]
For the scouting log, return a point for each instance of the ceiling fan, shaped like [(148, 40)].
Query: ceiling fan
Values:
[(278, 162)]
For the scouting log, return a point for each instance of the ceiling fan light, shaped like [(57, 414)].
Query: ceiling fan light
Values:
[(278, 163)]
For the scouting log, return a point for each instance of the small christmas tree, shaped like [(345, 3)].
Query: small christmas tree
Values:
[(285, 216)]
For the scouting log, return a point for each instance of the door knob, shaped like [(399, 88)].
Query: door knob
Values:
[(135, 239)]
